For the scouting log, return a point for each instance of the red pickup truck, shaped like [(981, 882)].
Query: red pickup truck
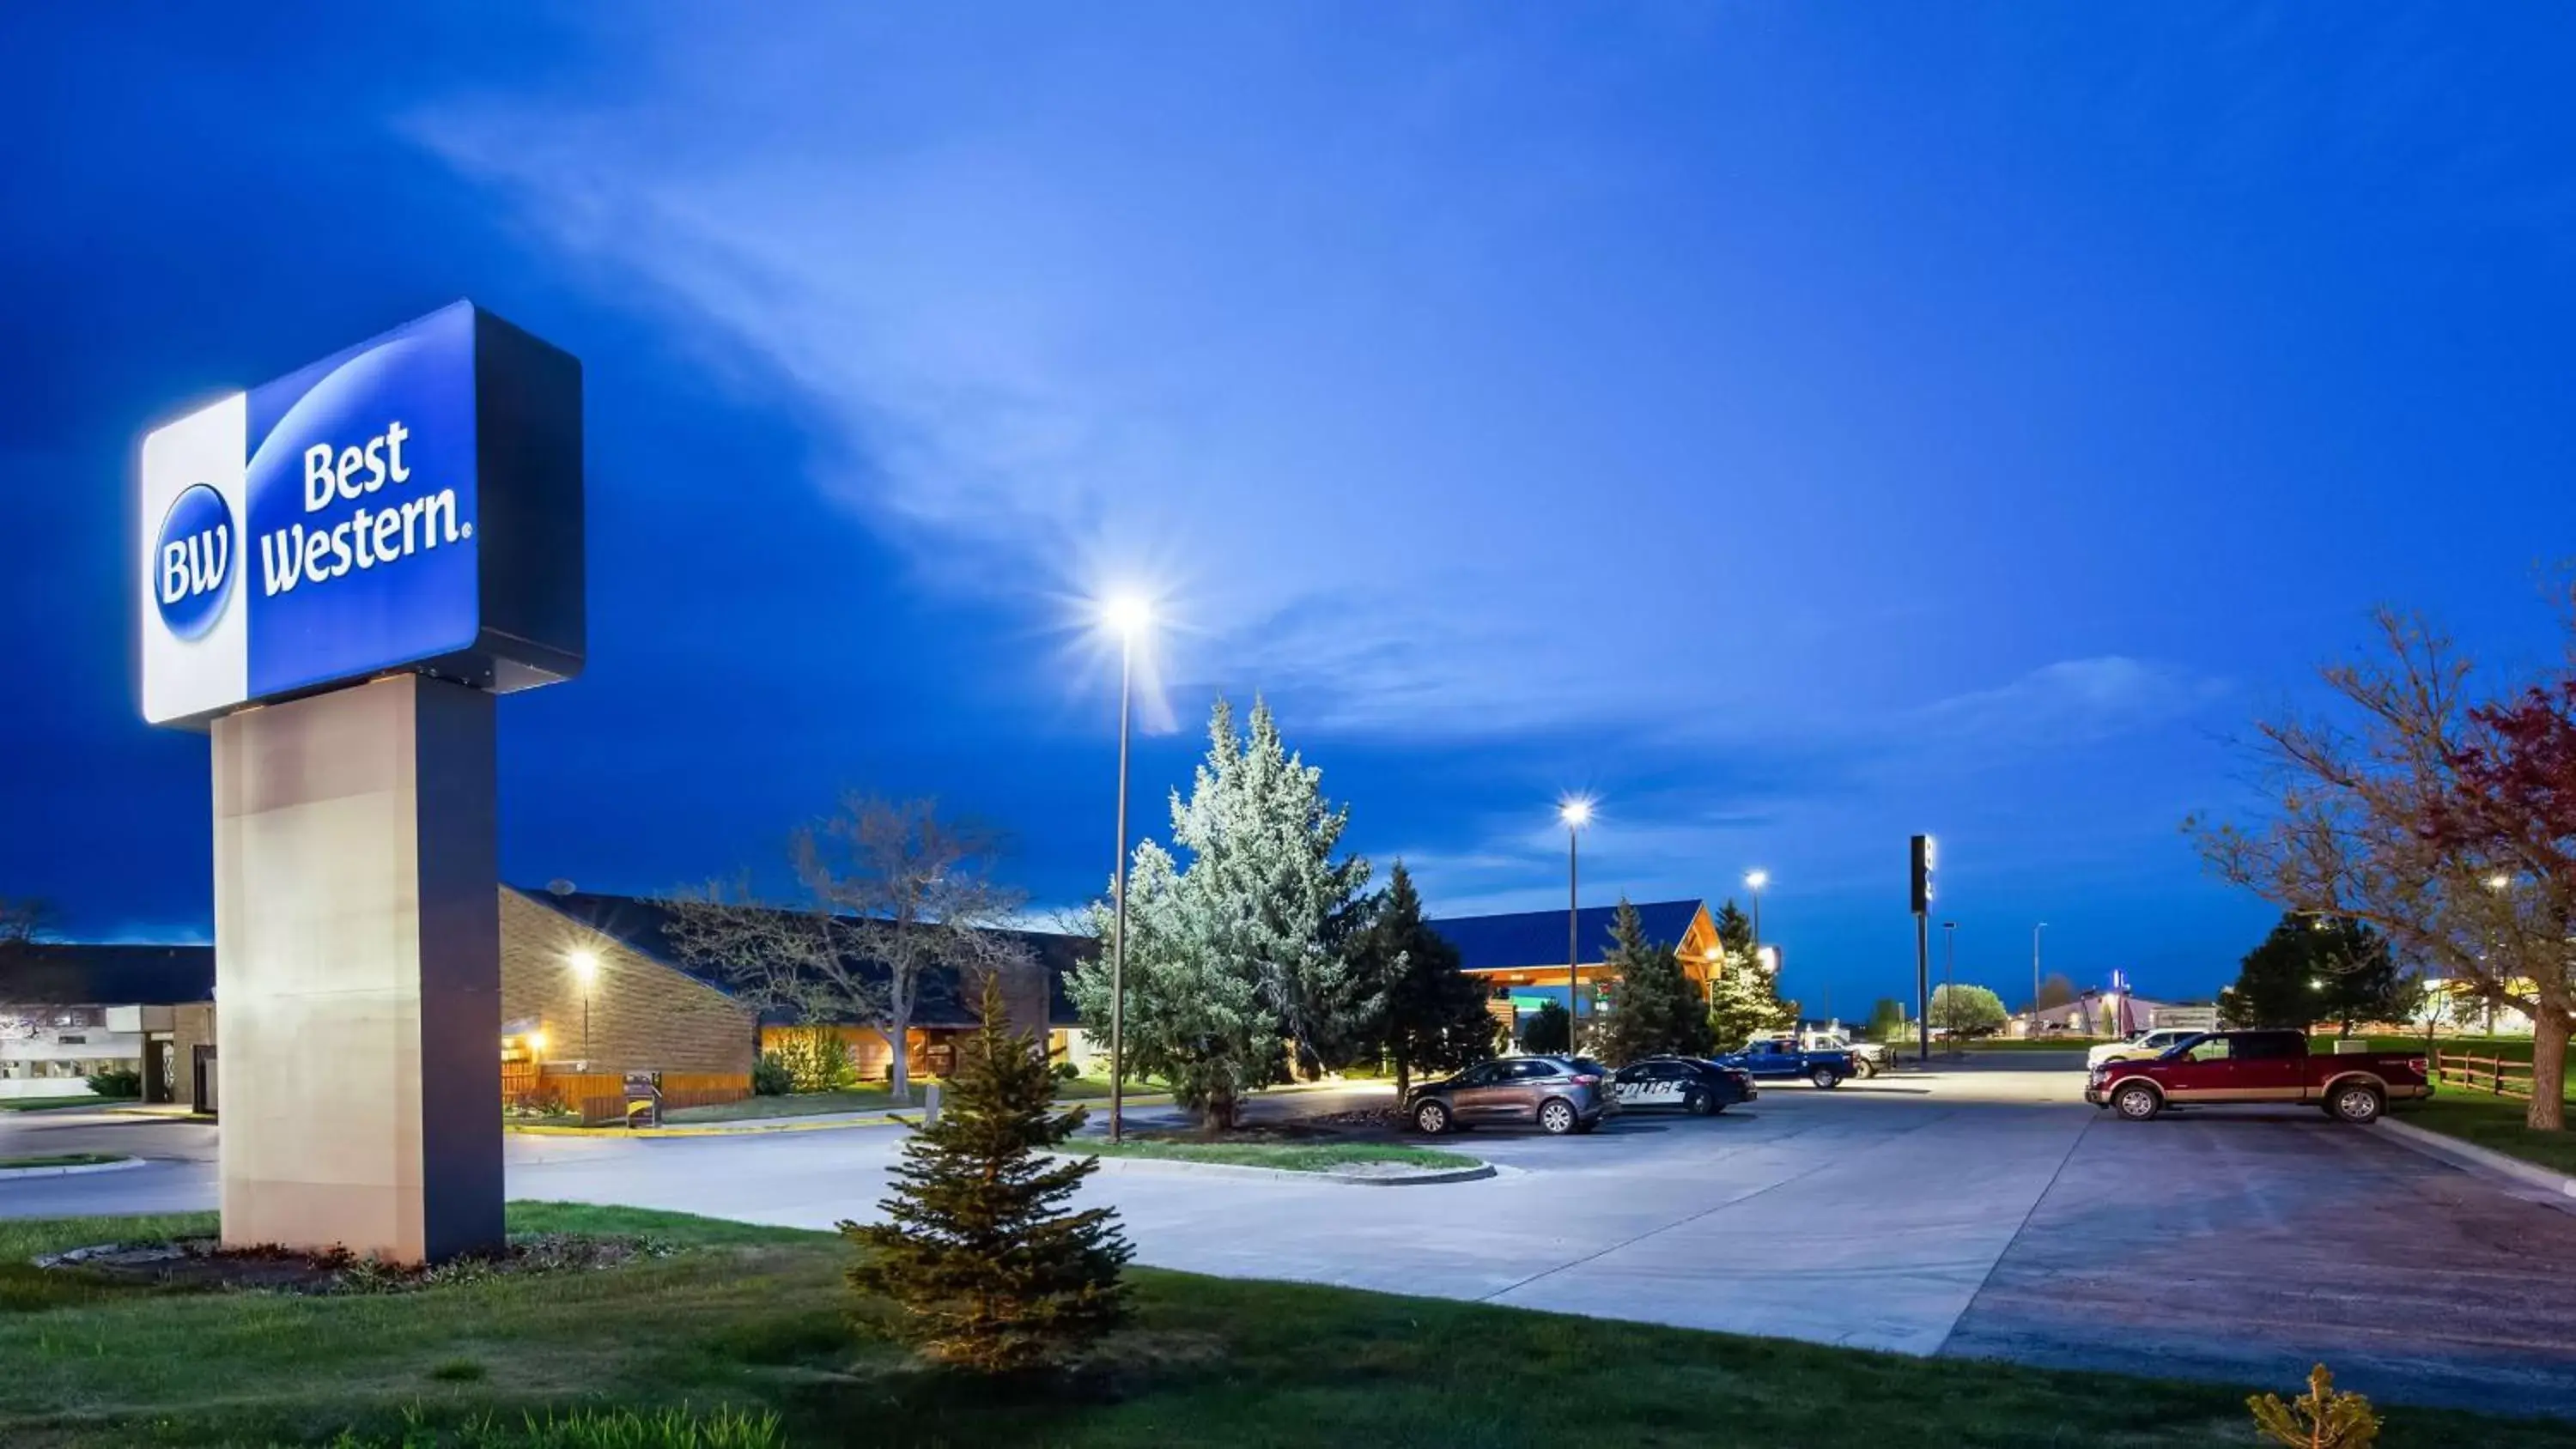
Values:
[(2259, 1066)]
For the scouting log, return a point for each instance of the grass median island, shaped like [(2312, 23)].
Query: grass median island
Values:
[(1286, 1156), (751, 1320), (47, 1104), (796, 1104), (60, 1159)]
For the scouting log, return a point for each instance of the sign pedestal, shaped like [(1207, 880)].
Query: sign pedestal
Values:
[(358, 971)]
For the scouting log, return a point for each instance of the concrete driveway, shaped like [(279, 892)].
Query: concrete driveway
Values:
[(1963, 1213)]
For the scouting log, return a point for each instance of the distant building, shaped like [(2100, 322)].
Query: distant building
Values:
[(1036, 1000), (565, 1033), (2093, 1013), (1521, 956), (69, 1011)]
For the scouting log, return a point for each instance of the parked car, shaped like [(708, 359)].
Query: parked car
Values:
[(2234, 1067), (1700, 1088), (1869, 1058), (1560, 1094), (2141, 1046), (1776, 1058)]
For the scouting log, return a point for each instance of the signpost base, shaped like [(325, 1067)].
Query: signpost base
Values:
[(358, 971)]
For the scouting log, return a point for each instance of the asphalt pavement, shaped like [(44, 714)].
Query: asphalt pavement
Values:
[(1982, 1211)]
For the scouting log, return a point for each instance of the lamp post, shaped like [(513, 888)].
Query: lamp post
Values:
[(1576, 813), (1754, 881), (2034, 976), (585, 969), (1128, 615)]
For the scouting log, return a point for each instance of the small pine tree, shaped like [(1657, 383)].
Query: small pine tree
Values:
[(1657, 1010), (992, 1273), (1549, 1029), (1744, 1001), (2321, 1418)]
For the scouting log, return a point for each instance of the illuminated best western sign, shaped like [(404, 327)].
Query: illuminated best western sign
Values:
[(411, 503)]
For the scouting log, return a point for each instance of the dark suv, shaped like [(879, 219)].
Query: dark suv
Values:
[(1560, 1094)]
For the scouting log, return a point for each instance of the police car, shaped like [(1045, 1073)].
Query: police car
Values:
[(1703, 1089)]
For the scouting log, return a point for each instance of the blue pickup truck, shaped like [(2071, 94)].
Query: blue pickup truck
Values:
[(1776, 1059)]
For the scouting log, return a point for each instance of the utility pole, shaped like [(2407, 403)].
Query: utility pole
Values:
[(1922, 900)]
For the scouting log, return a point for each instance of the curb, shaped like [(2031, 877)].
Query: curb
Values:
[(757, 1127), (13, 1174), (1152, 1165), (2483, 1161)]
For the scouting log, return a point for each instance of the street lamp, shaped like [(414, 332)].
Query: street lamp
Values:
[(1130, 615), (2034, 976), (585, 969), (1754, 881), (1576, 812)]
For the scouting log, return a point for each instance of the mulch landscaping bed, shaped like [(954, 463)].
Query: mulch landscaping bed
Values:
[(204, 1263)]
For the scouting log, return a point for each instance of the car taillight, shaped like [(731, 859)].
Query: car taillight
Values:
[(1586, 1079), (2416, 1065)]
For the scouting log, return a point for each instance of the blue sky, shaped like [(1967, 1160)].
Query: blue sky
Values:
[(1796, 425)]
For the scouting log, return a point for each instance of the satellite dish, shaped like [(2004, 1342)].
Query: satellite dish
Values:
[(558, 887)]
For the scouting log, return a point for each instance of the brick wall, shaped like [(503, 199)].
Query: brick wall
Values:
[(644, 1016), (190, 1028)]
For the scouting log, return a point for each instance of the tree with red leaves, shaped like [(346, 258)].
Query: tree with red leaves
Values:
[(2446, 821)]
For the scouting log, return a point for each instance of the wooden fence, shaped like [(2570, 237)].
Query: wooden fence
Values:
[(601, 1096), (2495, 1076)]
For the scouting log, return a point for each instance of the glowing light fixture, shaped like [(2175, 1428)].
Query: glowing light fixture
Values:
[(585, 965), (1576, 811), (1127, 615)]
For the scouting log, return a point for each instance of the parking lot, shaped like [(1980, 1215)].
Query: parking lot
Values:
[(1961, 1213)]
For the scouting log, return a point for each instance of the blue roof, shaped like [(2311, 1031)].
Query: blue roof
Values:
[(1524, 939)]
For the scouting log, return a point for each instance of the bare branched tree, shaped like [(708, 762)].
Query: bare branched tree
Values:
[(891, 892), (24, 921), (2366, 824)]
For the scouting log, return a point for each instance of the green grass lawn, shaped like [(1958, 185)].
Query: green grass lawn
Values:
[(1287, 1156), (42, 1104), (2494, 1123), (799, 1104), (62, 1159), (1082, 1089), (757, 1318)]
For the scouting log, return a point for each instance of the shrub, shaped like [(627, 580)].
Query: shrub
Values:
[(990, 1269), (816, 1058), (117, 1082), (771, 1076), (2321, 1418), (1067, 1072)]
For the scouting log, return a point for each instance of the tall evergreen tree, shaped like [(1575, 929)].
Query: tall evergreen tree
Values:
[(1655, 1010), (991, 1271), (1734, 930), (1240, 957), (2319, 968), (1430, 1015), (1744, 1002)]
